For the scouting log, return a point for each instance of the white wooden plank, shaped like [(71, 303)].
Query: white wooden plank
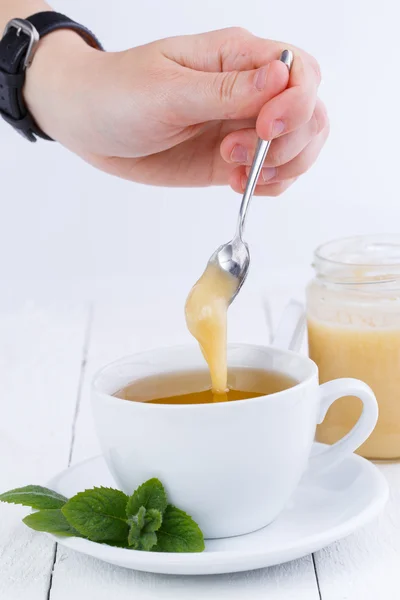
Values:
[(118, 330), (366, 564), (83, 577), (40, 362)]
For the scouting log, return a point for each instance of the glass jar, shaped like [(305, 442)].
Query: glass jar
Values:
[(353, 315)]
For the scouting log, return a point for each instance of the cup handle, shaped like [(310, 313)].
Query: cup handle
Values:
[(331, 391)]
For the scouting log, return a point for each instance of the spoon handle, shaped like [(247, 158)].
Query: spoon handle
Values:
[(258, 161)]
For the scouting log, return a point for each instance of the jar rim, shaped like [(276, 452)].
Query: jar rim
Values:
[(374, 242)]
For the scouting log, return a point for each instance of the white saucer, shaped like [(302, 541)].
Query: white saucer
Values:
[(324, 508)]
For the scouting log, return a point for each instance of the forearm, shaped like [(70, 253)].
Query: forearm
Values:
[(11, 9)]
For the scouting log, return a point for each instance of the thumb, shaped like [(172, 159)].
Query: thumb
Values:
[(231, 94)]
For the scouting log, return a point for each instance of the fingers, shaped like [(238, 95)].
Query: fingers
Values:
[(294, 106), (239, 146), (238, 184), (223, 70), (205, 96), (299, 165), (274, 180), (229, 49)]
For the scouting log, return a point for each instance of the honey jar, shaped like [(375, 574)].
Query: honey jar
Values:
[(353, 316)]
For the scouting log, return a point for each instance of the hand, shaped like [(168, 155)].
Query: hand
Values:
[(184, 111)]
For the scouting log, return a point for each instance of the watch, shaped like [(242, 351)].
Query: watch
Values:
[(17, 49)]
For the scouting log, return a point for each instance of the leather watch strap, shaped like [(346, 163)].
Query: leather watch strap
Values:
[(14, 46)]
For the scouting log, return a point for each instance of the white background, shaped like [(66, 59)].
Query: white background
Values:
[(63, 221)]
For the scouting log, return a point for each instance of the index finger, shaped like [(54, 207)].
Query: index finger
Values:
[(294, 106)]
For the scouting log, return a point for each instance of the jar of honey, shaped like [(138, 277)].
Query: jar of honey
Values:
[(353, 315)]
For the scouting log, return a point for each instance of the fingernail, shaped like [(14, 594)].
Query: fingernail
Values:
[(278, 127), (243, 182), (260, 78), (268, 173), (239, 154)]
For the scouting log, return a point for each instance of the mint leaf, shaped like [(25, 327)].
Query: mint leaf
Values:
[(51, 521), (35, 496), (147, 541), (142, 527), (98, 514), (133, 541), (139, 518), (178, 533), (141, 541), (136, 523), (150, 494), (152, 520)]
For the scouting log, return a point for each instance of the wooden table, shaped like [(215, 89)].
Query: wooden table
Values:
[(50, 347)]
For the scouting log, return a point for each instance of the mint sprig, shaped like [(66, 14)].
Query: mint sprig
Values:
[(142, 528), (144, 521)]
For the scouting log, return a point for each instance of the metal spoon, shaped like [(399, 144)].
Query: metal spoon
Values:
[(234, 257)]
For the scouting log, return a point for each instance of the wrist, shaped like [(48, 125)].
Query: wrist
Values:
[(54, 79)]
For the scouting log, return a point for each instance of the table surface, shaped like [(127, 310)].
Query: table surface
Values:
[(50, 347)]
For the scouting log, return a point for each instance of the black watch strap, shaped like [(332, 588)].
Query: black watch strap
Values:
[(17, 48)]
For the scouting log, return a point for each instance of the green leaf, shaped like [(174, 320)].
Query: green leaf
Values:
[(141, 541), (178, 533), (51, 521), (152, 520), (98, 514), (147, 541), (35, 496), (150, 494), (136, 523), (133, 542), (139, 518), (142, 527)]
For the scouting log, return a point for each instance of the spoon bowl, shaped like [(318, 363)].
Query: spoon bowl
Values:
[(234, 258)]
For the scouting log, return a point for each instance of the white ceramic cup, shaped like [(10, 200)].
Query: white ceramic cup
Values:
[(232, 466)]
